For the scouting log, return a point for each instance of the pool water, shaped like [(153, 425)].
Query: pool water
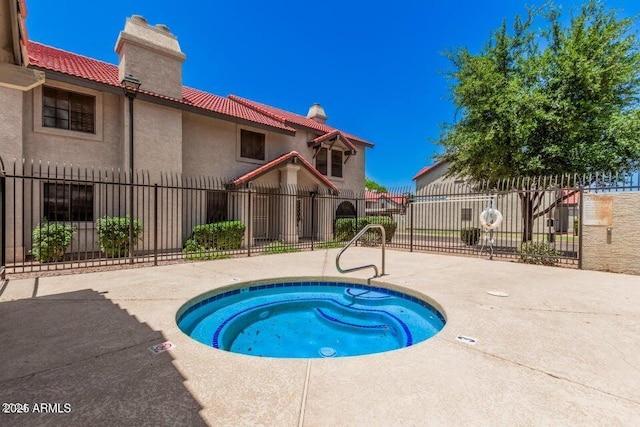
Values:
[(309, 320)]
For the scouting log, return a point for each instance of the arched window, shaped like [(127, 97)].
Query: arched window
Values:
[(345, 210)]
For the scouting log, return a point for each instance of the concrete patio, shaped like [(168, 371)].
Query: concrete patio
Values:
[(562, 349)]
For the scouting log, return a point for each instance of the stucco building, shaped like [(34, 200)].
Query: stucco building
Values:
[(72, 109)]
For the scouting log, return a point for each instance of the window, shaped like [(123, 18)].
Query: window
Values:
[(321, 161), (465, 214), (68, 110), (336, 163), (252, 145), (68, 202), (216, 206)]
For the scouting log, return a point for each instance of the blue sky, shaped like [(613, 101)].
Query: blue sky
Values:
[(376, 67)]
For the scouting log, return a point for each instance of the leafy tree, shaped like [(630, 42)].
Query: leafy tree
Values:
[(558, 100), (374, 186)]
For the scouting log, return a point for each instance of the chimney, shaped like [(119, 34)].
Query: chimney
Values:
[(152, 55), (316, 113)]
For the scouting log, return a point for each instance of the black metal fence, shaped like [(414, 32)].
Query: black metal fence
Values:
[(59, 217)]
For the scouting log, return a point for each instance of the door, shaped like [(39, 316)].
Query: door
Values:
[(260, 216)]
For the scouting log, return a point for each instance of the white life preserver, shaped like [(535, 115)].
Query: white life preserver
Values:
[(490, 225)]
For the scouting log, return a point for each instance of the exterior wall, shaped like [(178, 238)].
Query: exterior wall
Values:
[(11, 124), (104, 148), (436, 175), (620, 254)]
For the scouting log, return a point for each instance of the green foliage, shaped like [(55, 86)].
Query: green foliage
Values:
[(541, 253), (329, 244), (51, 240), (113, 234), (470, 236), (576, 226), (193, 251), (374, 186), (208, 239), (345, 228), (555, 100), (280, 248)]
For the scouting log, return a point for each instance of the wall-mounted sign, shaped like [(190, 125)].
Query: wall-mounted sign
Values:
[(597, 210)]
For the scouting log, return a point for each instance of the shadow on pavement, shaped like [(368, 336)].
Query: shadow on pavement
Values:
[(82, 350)]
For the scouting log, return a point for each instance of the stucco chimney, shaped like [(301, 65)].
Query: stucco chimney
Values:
[(316, 113), (152, 55)]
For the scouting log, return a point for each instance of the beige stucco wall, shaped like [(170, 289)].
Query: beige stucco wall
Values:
[(10, 124), (64, 146), (622, 255)]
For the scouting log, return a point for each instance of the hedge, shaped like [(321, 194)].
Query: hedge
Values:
[(225, 235), (113, 234), (345, 228)]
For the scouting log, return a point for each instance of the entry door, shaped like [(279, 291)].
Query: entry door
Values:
[(260, 216)]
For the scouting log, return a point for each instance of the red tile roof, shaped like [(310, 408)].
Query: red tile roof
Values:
[(50, 58), (294, 119), (332, 134), (285, 158), (421, 172), (395, 198)]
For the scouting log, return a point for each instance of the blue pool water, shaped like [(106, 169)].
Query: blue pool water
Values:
[(309, 319)]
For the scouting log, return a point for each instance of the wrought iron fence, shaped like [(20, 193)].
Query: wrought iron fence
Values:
[(59, 217)]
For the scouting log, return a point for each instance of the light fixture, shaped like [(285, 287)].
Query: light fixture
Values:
[(130, 85)]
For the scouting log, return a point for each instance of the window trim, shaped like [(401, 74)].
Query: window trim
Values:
[(38, 126), (239, 157), (329, 173)]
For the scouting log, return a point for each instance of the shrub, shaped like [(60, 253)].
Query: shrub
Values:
[(113, 234), (195, 252), (576, 226), (280, 248), (345, 228), (51, 240), (470, 235), (541, 253), (389, 225), (225, 235)]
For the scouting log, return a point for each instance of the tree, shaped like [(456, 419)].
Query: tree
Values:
[(560, 100), (374, 186)]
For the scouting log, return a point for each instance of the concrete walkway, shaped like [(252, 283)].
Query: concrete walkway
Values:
[(562, 349)]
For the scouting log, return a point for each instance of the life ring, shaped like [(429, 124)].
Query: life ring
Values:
[(491, 225)]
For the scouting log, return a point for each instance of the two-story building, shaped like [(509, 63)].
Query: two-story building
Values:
[(74, 111)]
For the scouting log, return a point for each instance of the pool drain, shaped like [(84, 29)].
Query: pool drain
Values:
[(327, 352)]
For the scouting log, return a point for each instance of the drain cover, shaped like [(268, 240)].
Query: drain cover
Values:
[(327, 352)]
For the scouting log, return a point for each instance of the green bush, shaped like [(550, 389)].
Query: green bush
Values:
[(470, 236), (389, 225), (541, 253), (345, 228), (225, 235), (576, 226), (280, 248), (51, 240), (195, 252), (113, 234)]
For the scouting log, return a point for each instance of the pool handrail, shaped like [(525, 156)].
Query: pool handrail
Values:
[(357, 236)]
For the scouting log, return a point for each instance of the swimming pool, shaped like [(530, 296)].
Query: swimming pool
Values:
[(309, 319)]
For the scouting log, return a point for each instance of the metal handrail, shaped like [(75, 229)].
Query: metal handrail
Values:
[(357, 236)]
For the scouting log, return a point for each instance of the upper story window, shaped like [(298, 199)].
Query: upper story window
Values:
[(336, 163), (321, 161), (330, 167), (62, 109), (252, 145), (68, 202)]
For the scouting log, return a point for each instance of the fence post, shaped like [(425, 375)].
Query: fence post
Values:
[(356, 221), (155, 224), (313, 217), (250, 221), (580, 228), (410, 226), (3, 229)]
